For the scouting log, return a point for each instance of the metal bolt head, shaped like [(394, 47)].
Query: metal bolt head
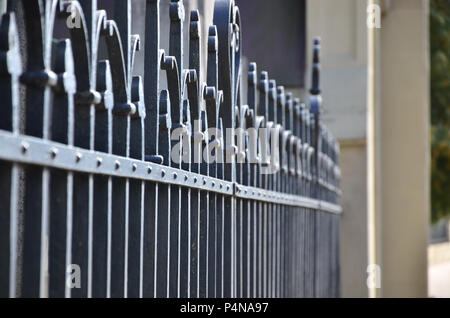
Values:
[(117, 165), (163, 173), (53, 152), (25, 147), (99, 162), (134, 167), (175, 176), (195, 180), (78, 157), (149, 170)]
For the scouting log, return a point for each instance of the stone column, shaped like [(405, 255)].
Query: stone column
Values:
[(404, 136)]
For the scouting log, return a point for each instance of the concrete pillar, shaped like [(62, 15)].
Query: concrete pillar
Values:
[(404, 135), (354, 219)]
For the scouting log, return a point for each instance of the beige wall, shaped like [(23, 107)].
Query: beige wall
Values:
[(342, 26), (404, 140), (353, 234)]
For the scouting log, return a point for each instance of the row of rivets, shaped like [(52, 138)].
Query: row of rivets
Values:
[(79, 156)]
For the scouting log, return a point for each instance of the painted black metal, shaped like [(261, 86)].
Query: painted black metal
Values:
[(87, 176)]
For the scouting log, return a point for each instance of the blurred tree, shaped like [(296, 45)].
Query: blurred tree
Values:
[(440, 172), (440, 108)]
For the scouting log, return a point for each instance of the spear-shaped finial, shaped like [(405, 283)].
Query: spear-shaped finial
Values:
[(315, 82)]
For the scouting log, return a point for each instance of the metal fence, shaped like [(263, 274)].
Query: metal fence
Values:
[(91, 204)]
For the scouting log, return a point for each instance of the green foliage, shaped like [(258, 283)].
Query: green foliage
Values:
[(440, 172), (440, 108)]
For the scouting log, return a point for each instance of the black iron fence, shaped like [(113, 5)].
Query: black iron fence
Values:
[(95, 203)]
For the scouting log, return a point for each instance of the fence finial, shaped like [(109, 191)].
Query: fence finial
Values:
[(315, 83), (315, 98)]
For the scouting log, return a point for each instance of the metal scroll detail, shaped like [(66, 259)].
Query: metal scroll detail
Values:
[(93, 203)]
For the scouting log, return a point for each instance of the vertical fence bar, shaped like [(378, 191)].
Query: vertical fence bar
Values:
[(61, 182), (136, 193), (272, 113), (226, 18), (203, 218), (280, 188), (102, 185), (185, 205), (196, 155), (9, 172), (152, 137), (212, 107), (220, 218), (263, 87), (85, 70), (252, 102), (39, 80), (162, 221), (177, 15)]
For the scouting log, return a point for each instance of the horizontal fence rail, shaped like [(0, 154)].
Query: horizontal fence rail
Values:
[(113, 187)]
